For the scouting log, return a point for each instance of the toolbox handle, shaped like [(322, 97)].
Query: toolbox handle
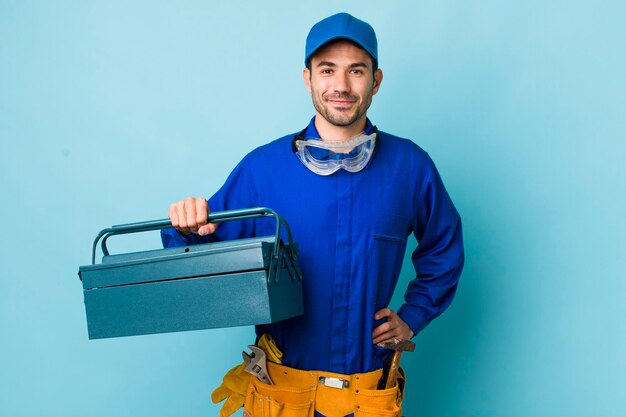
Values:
[(216, 217)]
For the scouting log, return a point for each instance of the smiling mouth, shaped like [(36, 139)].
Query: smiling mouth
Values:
[(341, 102)]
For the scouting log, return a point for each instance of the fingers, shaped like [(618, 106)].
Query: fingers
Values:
[(173, 215), (393, 328), (385, 312), (202, 211), (385, 332), (190, 216)]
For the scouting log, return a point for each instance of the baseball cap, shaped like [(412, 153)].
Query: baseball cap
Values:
[(341, 26)]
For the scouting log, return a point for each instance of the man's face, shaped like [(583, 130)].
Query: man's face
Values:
[(342, 82)]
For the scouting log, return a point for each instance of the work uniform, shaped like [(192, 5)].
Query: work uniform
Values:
[(352, 230)]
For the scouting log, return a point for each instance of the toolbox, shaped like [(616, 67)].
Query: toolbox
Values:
[(212, 285)]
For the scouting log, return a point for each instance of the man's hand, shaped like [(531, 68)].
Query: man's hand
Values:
[(190, 216), (394, 327)]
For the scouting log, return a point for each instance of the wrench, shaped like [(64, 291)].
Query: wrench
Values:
[(256, 364)]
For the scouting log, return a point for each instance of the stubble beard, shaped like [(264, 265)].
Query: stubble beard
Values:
[(336, 117)]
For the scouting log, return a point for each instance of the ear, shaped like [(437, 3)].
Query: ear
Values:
[(306, 76), (378, 79)]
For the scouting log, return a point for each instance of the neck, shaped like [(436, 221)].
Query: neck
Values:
[(329, 131)]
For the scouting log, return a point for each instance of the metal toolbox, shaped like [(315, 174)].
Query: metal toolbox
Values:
[(221, 284)]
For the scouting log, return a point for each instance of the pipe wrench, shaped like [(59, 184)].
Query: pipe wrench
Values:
[(256, 364)]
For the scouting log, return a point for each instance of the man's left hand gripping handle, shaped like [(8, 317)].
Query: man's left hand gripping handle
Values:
[(190, 216)]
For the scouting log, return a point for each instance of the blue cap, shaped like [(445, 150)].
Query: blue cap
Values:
[(341, 26)]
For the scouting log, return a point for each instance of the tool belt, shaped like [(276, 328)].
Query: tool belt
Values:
[(299, 393)]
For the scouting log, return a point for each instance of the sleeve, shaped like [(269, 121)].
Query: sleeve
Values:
[(439, 256), (238, 192)]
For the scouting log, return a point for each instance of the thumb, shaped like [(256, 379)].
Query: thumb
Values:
[(207, 229), (232, 404), (220, 393)]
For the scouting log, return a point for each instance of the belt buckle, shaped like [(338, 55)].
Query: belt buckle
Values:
[(334, 382)]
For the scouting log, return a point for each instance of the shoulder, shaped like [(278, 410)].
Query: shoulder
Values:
[(403, 151), (259, 169), (270, 159), (277, 148)]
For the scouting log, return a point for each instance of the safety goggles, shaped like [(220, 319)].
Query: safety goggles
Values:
[(327, 157)]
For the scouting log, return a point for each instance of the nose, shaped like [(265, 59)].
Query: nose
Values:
[(342, 83)]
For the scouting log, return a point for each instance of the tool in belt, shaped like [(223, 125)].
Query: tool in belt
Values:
[(256, 364), (392, 365)]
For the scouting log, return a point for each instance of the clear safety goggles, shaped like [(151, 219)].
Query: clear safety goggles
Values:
[(327, 157)]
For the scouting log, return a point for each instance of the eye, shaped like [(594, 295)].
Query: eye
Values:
[(327, 71)]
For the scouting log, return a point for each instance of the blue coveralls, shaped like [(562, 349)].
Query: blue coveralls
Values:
[(352, 229)]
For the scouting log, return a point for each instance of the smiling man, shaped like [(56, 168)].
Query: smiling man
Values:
[(352, 195), (342, 78)]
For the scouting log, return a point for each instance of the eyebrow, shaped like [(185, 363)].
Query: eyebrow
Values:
[(332, 64)]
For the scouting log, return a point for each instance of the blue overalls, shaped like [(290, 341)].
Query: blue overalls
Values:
[(352, 229)]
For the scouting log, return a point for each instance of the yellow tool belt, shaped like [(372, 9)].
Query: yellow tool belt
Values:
[(298, 393)]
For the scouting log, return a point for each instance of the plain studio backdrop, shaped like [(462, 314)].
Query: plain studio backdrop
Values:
[(111, 110)]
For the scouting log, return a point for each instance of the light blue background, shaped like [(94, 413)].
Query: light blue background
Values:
[(111, 110)]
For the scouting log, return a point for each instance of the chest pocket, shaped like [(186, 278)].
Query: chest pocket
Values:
[(386, 254)]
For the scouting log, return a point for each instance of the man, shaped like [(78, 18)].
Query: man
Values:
[(352, 195)]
